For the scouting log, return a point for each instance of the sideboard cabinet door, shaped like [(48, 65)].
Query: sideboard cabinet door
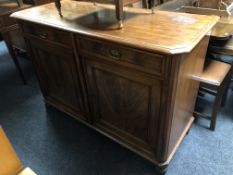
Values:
[(58, 76), (125, 103)]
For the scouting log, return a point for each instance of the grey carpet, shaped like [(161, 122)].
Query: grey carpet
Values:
[(51, 143)]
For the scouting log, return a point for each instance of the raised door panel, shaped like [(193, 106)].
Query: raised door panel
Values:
[(125, 103), (56, 69)]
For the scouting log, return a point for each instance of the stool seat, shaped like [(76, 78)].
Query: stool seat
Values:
[(214, 72)]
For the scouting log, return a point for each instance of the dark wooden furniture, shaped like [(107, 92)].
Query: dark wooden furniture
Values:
[(215, 80), (37, 2), (133, 85), (11, 32), (224, 47)]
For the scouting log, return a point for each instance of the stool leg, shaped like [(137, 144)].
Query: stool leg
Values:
[(224, 98), (227, 85), (216, 106)]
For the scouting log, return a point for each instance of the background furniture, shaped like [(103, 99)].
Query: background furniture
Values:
[(132, 85), (11, 32)]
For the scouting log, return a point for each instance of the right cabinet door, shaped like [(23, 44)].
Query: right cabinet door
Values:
[(125, 103)]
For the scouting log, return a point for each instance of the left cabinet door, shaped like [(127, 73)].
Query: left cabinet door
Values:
[(58, 75)]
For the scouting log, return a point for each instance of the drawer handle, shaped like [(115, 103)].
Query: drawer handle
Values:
[(115, 54), (43, 35)]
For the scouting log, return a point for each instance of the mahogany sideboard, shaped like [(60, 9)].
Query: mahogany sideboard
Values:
[(133, 85)]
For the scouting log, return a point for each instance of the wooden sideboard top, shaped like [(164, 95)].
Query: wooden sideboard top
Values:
[(165, 32), (222, 30)]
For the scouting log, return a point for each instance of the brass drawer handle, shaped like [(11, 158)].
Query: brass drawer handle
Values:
[(43, 35), (115, 54)]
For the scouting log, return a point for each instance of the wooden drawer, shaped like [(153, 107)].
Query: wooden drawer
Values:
[(49, 34), (144, 61)]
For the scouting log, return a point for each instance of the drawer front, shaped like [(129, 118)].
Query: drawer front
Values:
[(144, 61), (45, 33)]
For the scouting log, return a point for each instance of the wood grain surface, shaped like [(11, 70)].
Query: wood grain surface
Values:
[(165, 32)]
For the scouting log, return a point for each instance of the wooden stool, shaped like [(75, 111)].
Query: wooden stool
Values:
[(214, 80)]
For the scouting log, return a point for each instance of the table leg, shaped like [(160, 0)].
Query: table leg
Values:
[(119, 12), (58, 6)]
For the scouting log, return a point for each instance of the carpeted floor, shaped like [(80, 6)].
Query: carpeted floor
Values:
[(51, 143)]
